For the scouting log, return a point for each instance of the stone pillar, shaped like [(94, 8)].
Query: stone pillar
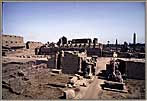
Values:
[(90, 71), (56, 57)]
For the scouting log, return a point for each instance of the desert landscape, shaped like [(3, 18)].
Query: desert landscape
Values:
[(30, 78), (73, 50)]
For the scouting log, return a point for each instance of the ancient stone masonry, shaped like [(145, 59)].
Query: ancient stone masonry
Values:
[(132, 68), (129, 68), (33, 45), (70, 62), (80, 45), (114, 76), (62, 41), (12, 41), (81, 41)]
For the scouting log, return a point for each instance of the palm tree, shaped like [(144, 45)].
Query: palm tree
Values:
[(108, 43)]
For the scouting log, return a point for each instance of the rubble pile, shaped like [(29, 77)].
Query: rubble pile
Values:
[(30, 81)]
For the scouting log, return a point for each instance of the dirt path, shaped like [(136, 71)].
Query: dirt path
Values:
[(93, 89)]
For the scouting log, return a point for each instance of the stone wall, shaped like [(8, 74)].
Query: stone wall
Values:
[(81, 40), (33, 45), (90, 51), (135, 70), (71, 63), (12, 41), (82, 45), (94, 51), (52, 61)]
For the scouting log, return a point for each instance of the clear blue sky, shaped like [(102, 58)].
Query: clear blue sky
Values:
[(48, 21)]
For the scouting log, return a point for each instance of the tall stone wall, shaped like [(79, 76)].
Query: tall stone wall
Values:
[(12, 41)]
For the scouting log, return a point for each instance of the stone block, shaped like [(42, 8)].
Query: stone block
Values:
[(73, 80), (69, 94), (58, 84), (114, 85), (58, 71)]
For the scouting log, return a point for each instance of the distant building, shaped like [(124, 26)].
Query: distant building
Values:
[(80, 41), (12, 41), (33, 45), (92, 48), (62, 41), (95, 41)]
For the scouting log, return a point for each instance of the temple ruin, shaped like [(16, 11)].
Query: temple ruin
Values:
[(72, 69)]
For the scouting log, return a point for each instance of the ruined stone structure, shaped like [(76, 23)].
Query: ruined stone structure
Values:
[(72, 47), (52, 61), (12, 41), (62, 41), (134, 69), (71, 62), (130, 68), (95, 41), (90, 51), (92, 48), (33, 45), (81, 41)]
